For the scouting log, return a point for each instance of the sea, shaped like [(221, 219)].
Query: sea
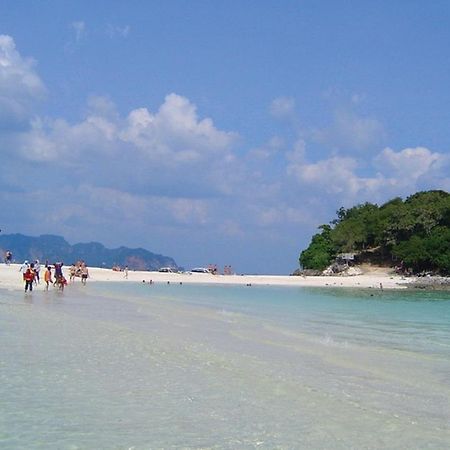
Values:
[(182, 366)]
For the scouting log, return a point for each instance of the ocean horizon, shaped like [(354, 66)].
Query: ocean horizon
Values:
[(134, 365)]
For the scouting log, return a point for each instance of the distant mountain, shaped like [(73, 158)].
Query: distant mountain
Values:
[(55, 248)]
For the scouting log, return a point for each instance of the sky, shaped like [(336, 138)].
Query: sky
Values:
[(217, 132)]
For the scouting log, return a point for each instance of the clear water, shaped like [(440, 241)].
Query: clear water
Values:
[(121, 366)]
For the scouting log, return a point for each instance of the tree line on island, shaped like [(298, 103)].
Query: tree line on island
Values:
[(412, 235)]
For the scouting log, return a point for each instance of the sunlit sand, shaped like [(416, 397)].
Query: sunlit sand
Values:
[(376, 278)]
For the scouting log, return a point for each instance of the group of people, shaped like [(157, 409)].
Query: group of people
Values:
[(227, 270), (31, 274), (117, 268), (79, 269)]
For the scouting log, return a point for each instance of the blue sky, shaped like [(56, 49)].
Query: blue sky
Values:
[(217, 132)]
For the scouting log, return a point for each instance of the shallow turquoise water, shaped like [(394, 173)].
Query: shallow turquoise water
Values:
[(118, 366)]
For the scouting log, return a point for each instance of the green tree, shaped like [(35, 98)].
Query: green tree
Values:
[(397, 224), (429, 209), (320, 252), (358, 230), (415, 230), (437, 246), (413, 253)]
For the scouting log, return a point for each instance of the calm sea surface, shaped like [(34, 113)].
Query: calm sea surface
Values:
[(139, 366)]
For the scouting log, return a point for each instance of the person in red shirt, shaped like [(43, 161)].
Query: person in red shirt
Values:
[(28, 277)]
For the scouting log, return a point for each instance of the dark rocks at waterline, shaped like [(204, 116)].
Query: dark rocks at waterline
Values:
[(431, 283), (342, 270), (306, 273)]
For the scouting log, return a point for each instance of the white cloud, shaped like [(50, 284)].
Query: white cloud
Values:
[(335, 175), (357, 98), (413, 169), (409, 163), (171, 137), (79, 28), (171, 152), (114, 30), (191, 211), (268, 150), (351, 132), (175, 133), (20, 86), (101, 106), (279, 214), (298, 152), (101, 207), (36, 145), (393, 174), (231, 228), (63, 144), (146, 209), (283, 107)]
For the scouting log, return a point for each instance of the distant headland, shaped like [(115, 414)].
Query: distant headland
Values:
[(53, 248)]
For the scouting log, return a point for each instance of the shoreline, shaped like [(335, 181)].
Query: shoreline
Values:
[(11, 278)]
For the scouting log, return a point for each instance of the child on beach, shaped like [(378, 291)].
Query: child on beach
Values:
[(61, 282), (48, 277)]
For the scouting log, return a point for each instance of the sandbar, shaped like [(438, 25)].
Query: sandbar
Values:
[(372, 277)]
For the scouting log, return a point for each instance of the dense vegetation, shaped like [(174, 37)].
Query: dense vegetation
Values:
[(413, 234)]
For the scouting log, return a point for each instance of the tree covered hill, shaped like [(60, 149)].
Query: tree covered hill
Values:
[(413, 234), (55, 248)]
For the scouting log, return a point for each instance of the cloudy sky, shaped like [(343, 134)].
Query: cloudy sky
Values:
[(217, 132)]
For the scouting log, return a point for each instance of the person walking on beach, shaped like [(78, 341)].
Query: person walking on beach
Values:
[(8, 258), (28, 277), (58, 271), (23, 268), (60, 280), (126, 273), (37, 269), (84, 273), (72, 272), (48, 277)]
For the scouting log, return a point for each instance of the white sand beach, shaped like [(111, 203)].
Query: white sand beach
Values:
[(373, 277)]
